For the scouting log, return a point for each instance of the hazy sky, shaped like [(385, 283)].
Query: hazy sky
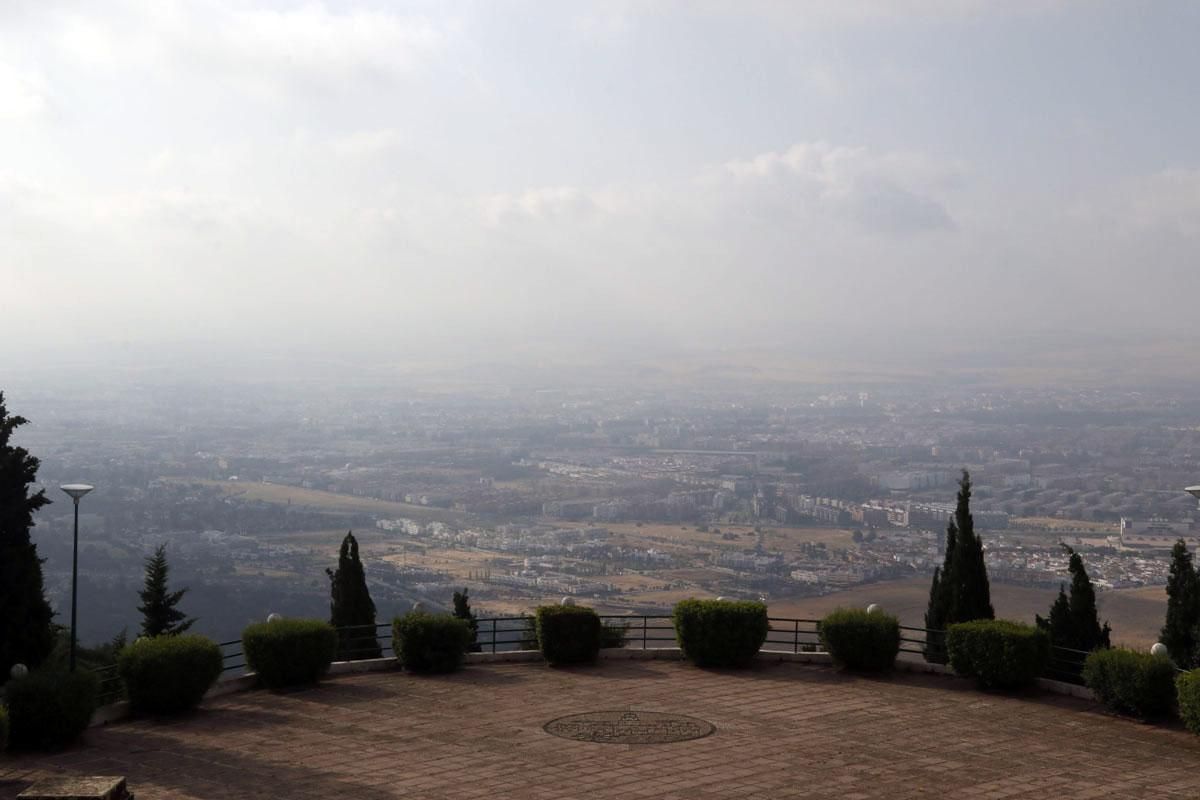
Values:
[(395, 177)]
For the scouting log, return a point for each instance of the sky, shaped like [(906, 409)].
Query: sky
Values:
[(396, 180)]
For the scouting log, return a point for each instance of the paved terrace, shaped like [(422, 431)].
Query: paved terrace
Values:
[(782, 730)]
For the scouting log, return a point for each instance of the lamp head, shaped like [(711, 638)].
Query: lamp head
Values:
[(1194, 491), (76, 490)]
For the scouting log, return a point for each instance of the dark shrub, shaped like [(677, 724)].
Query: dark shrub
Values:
[(50, 710), (720, 633), (289, 652), (614, 634), (858, 640), (999, 653), (169, 674), (431, 642), (1187, 691), (1129, 682), (568, 634), (3, 728)]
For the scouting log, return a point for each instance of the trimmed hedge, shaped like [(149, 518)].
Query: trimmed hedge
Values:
[(169, 674), (50, 710), (568, 634), (861, 641), (998, 653), (3, 728), (614, 634), (1129, 682), (1187, 692), (289, 652), (720, 633), (431, 642)]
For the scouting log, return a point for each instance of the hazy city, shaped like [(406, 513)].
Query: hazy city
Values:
[(789, 377)]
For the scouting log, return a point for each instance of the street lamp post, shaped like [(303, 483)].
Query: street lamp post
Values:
[(76, 490), (1194, 491)]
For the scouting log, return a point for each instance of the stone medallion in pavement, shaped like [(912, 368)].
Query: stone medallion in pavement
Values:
[(629, 727)]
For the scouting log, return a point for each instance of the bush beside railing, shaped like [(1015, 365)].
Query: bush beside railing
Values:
[(1187, 693), (999, 654), (289, 652), (861, 640), (169, 674), (721, 633), (1129, 682), (50, 710), (430, 643), (568, 634)]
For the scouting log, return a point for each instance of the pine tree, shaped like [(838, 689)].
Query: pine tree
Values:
[(462, 610), (160, 617), (351, 609), (1183, 608), (26, 630), (959, 591)]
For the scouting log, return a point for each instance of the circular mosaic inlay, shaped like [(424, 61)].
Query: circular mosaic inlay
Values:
[(629, 727)]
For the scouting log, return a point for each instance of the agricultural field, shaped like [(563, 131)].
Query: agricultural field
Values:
[(322, 500), (1136, 615)]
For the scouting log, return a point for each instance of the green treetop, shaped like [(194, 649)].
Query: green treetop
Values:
[(351, 609), (1074, 620), (960, 591), (160, 617), (26, 632), (1183, 608)]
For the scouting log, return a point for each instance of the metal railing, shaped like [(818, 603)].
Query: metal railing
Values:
[(639, 631)]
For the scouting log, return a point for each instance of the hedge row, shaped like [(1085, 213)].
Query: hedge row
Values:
[(50, 710), (1129, 682), (720, 633), (998, 653), (431, 642), (169, 674), (861, 640), (290, 652)]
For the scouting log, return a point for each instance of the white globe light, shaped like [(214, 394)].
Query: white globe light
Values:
[(273, 617), (1159, 649), (418, 607), (719, 599), (18, 671), (873, 608), (567, 601)]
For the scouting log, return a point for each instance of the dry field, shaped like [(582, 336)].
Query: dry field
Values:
[(1135, 614), (1057, 524), (315, 498)]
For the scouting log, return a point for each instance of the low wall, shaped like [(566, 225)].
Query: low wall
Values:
[(229, 684)]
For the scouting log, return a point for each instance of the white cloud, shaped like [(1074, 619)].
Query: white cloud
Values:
[(542, 204), (22, 94), (890, 192)]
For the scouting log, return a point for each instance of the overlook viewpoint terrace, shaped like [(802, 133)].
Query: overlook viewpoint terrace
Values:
[(789, 726)]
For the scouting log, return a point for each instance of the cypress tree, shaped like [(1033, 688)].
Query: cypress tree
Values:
[(160, 617), (1074, 621), (970, 593), (1183, 608), (960, 591), (351, 609), (26, 632), (462, 610)]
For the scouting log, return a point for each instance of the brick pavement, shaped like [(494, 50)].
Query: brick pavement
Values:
[(783, 730)]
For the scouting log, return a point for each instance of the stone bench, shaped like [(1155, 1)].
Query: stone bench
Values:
[(93, 787)]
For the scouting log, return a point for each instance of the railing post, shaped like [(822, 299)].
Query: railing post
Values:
[(644, 619), (796, 637), (493, 634)]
